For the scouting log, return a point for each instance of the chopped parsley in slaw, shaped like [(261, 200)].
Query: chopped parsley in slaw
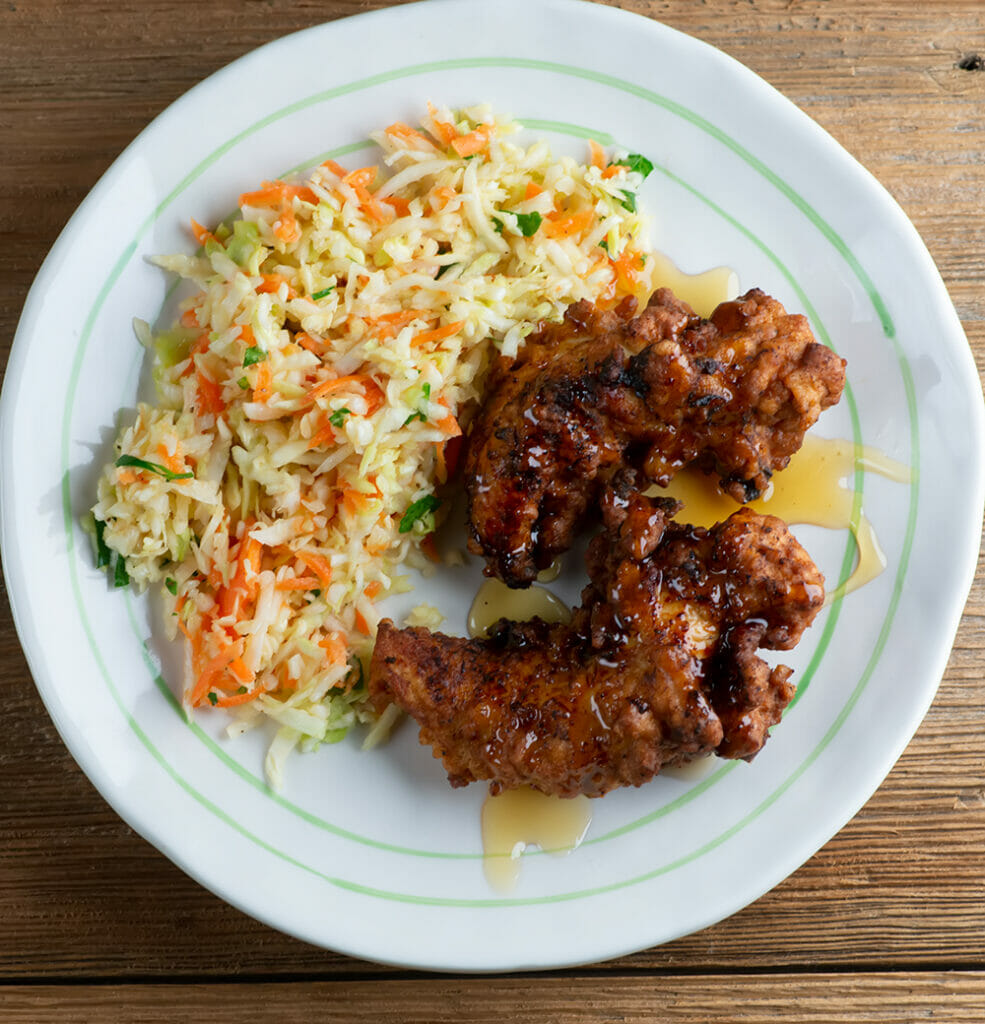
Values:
[(311, 392)]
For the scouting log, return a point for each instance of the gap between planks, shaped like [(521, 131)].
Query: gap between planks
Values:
[(951, 997)]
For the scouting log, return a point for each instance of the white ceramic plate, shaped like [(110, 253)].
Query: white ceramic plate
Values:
[(373, 854)]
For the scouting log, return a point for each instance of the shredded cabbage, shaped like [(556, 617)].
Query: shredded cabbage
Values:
[(314, 387)]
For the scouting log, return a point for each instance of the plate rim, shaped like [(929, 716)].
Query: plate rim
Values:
[(18, 355)]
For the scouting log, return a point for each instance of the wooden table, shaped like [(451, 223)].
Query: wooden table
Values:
[(887, 922)]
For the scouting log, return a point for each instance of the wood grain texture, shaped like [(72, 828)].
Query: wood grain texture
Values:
[(900, 889), (951, 998)]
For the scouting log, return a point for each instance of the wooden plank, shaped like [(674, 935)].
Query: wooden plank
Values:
[(903, 884), (953, 998)]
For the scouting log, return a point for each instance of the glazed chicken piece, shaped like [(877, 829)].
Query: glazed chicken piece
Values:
[(658, 666), (654, 392)]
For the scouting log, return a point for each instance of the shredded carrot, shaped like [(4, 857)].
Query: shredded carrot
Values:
[(246, 333), (322, 438), (312, 344), (372, 589), (389, 325), (210, 674), (250, 553), (318, 564), (263, 388), (361, 624), (326, 387), (449, 425), (210, 395), (274, 193), (305, 194), (240, 698), (173, 462), (298, 583), (335, 168), (189, 318), (400, 206), (598, 154), (286, 681), (201, 344), (627, 268), (359, 181), (364, 177), (374, 397), (443, 131), (532, 191), (128, 476), (279, 195), (202, 234), (555, 226), (438, 333), (241, 670), (474, 142), (335, 649), (354, 501), (612, 170), (374, 209), (243, 585), (408, 136), (286, 228), (401, 317), (272, 283), (440, 196)]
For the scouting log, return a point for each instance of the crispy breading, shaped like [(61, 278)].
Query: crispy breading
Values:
[(654, 392), (657, 667)]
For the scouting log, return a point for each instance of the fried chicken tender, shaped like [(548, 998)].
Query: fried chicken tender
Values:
[(657, 667), (654, 392)]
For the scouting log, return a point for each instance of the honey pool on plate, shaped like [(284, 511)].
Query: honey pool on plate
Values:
[(520, 817), (495, 600), (702, 292), (811, 490)]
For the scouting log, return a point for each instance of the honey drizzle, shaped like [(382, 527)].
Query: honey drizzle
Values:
[(495, 600), (551, 573), (702, 292), (518, 817), (810, 490)]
